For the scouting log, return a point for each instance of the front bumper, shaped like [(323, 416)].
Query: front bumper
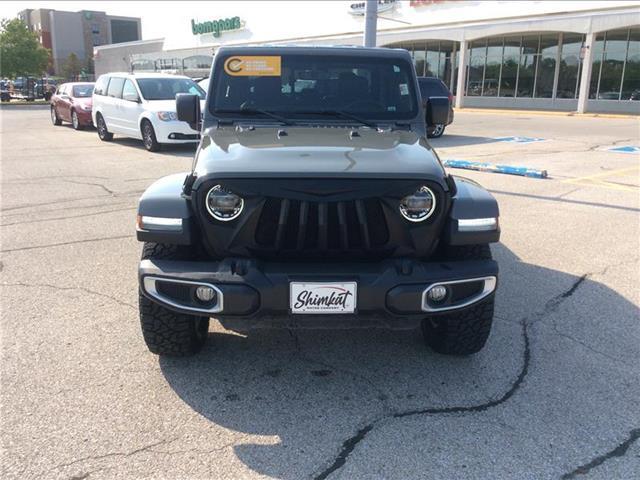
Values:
[(392, 288), (84, 117), (175, 132)]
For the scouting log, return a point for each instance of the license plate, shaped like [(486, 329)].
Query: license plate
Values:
[(322, 297)]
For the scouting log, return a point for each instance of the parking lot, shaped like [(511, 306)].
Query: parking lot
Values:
[(553, 395)]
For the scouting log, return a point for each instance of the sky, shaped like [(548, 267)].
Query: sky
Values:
[(157, 16)]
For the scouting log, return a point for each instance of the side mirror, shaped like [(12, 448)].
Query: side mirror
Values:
[(437, 111), (188, 109), (131, 97)]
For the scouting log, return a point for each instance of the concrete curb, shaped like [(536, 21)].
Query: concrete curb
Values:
[(495, 111)]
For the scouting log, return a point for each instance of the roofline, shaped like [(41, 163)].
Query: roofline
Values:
[(124, 44)]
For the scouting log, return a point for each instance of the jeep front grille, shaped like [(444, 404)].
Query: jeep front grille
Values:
[(320, 220), (301, 226)]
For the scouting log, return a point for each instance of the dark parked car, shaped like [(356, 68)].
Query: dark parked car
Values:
[(314, 197), (72, 103), (436, 96)]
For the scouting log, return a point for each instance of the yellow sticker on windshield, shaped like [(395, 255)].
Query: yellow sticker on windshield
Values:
[(253, 66)]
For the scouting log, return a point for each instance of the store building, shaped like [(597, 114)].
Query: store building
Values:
[(562, 55), (65, 33)]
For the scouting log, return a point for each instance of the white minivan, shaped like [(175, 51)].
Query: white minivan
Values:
[(143, 106)]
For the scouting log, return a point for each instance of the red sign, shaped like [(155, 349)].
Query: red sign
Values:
[(422, 3)]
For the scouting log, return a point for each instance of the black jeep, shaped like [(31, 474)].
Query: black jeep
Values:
[(315, 199)]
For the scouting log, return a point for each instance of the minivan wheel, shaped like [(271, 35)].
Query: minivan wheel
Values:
[(435, 131), (104, 134), (54, 117), (75, 121), (149, 136)]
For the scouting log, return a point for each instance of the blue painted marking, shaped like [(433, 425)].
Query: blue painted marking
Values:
[(519, 139), (489, 167), (624, 149)]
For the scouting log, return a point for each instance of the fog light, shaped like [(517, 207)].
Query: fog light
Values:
[(437, 293), (205, 294)]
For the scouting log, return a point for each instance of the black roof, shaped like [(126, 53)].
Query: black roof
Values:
[(315, 50)]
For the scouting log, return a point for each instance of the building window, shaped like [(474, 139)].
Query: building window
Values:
[(477, 58), (631, 78), (493, 66), (545, 74), (197, 62), (510, 61), (615, 70), (570, 65)]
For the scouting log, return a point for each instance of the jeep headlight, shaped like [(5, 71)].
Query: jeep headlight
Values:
[(419, 206), (223, 205)]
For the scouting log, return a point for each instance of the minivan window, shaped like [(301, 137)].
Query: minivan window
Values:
[(129, 90), (168, 88), (115, 87), (101, 85)]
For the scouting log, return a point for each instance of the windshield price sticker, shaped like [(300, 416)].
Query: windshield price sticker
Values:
[(253, 66)]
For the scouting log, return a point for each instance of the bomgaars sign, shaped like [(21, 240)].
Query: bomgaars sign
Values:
[(383, 6), (216, 26)]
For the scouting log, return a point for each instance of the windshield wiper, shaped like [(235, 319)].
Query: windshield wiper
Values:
[(257, 111), (343, 114)]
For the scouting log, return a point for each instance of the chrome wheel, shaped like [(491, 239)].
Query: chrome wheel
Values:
[(147, 135), (54, 116), (436, 130), (74, 120)]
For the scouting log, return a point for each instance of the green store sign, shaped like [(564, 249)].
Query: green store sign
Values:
[(216, 26)]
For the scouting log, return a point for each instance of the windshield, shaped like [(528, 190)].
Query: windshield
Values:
[(310, 86), (167, 88), (80, 91)]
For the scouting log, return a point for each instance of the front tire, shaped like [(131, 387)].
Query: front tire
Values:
[(463, 332), (436, 131), (104, 134), (54, 117), (164, 331), (75, 121), (149, 136)]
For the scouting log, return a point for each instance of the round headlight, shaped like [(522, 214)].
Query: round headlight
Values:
[(419, 206), (223, 205)]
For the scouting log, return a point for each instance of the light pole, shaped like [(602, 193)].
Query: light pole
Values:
[(370, 25)]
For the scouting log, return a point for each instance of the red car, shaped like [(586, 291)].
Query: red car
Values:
[(72, 103)]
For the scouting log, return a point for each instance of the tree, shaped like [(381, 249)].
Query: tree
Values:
[(71, 67), (20, 52)]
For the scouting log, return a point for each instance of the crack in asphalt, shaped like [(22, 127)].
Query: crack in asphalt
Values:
[(144, 448), (619, 451), (102, 186), (349, 445), (130, 193), (82, 215), (74, 242), (83, 289)]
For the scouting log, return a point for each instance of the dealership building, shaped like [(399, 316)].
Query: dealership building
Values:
[(64, 33), (562, 55)]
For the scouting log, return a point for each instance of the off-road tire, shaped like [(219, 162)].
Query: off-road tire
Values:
[(55, 119), (149, 136), (75, 121), (464, 332), (164, 331), (104, 134)]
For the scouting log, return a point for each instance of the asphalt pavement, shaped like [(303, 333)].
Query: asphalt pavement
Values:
[(554, 394)]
